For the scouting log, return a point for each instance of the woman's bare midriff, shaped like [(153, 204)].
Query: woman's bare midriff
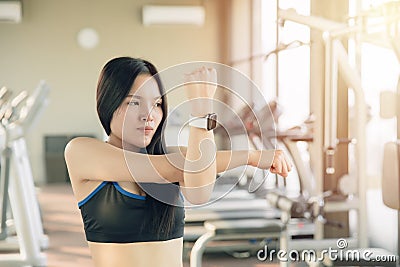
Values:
[(142, 254)]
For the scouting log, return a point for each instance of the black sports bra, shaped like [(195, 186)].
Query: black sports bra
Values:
[(113, 215)]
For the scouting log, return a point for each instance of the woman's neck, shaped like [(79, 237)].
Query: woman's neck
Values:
[(117, 142)]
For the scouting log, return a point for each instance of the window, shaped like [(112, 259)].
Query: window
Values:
[(379, 72), (290, 82)]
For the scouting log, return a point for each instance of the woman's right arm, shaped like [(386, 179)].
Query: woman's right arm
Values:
[(91, 159)]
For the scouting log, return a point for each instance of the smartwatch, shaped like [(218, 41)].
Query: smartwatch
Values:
[(208, 122)]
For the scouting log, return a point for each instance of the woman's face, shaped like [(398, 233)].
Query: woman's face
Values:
[(139, 115)]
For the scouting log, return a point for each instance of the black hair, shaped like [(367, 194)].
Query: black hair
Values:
[(115, 82)]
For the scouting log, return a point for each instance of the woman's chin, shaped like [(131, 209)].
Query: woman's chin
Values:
[(134, 141), (144, 144)]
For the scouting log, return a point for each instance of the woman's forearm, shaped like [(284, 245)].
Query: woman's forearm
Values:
[(230, 159), (225, 160), (174, 167), (200, 165)]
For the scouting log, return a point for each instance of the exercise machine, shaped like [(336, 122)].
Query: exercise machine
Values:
[(336, 61), (17, 117)]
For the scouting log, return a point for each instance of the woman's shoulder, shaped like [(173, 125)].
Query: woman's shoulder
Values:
[(78, 144), (81, 155), (82, 140)]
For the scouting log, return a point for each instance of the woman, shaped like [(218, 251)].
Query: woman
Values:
[(126, 225)]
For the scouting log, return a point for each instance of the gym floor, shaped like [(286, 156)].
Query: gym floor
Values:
[(68, 247)]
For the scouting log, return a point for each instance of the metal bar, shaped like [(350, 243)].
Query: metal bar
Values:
[(314, 22), (247, 236), (198, 248), (336, 29), (283, 246), (353, 81), (303, 244), (30, 250), (327, 95), (5, 176), (330, 124)]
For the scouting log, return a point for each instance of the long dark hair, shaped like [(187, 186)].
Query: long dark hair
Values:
[(115, 82)]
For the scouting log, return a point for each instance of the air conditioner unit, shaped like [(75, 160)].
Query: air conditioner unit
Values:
[(159, 15), (10, 11)]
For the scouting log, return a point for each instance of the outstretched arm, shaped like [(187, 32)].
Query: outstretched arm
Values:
[(91, 159), (274, 160)]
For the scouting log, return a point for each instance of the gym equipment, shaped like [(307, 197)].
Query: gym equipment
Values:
[(238, 229), (238, 217), (5, 117), (390, 108), (17, 116), (4, 96), (242, 216), (316, 206), (336, 60)]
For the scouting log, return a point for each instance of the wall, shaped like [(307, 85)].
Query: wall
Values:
[(43, 46)]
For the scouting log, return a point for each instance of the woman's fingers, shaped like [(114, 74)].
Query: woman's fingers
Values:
[(279, 168), (280, 164), (202, 74), (199, 73), (276, 166), (201, 83), (285, 171)]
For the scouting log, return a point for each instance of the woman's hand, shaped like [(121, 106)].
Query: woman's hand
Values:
[(274, 160), (200, 86)]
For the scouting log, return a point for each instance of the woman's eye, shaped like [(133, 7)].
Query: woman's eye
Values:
[(133, 103), (158, 104)]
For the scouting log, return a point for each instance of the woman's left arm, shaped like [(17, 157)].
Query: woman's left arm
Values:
[(274, 160)]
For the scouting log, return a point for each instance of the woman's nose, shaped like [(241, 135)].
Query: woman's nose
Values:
[(147, 113)]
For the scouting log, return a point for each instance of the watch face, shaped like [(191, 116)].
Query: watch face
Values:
[(211, 121)]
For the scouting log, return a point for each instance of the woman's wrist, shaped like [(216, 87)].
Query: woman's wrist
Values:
[(200, 107), (253, 158)]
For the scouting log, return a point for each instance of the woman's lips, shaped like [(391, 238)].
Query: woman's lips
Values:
[(146, 130)]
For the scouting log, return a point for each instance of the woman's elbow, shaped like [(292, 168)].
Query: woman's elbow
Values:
[(198, 195), (198, 199)]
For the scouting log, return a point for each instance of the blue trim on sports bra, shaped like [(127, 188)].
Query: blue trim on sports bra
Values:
[(82, 202), (126, 193), (117, 186)]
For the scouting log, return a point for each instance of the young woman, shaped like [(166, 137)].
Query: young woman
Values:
[(129, 188)]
